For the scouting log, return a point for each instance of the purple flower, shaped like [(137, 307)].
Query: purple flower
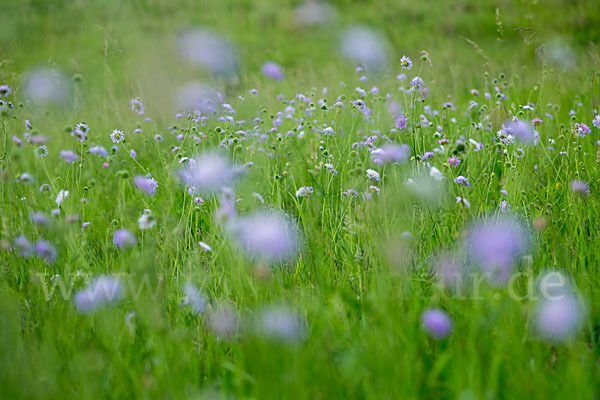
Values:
[(406, 63), (209, 173), (117, 136), (401, 122), (391, 153), (436, 323), (5, 91), (519, 129), (417, 83), (461, 180), (454, 161), (46, 250), (123, 239), (580, 187), (39, 218), (132, 153), (99, 150), (68, 155), (273, 71), (24, 246), (137, 106), (102, 291), (17, 141), (267, 236), (596, 121), (85, 225), (304, 191), (495, 245), (582, 129), (146, 184)]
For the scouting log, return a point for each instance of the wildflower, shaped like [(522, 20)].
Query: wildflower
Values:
[(99, 150), (417, 83), (495, 245), (364, 47), (280, 323), (596, 121), (146, 184), (559, 313), (401, 122), (62, 195), (436, 323), (41, 151), (103, 291), (123, 239), (372, 174), (504, 206), (137, 106), (304, 191), (209, 50), (350, 193), (406, 63), (580, 187), (205, 246), (85, 225), (68, 155), (46, 250), (427, 155), (454, 161), (223, 321), (209, 173), (117, 136), (146, 221), (5, 91), (461, 180), (520, 130), (258, 197), (39, 218), (194, 299), (132, 153), (45, 188), (582, 129), (435, 174), (267, 236), (273, 71), (17, 141), (536, 121), (25, 177), (464, 202), (391, 153), (24, 246)]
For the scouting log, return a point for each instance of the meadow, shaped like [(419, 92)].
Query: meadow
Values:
[(287, 199)]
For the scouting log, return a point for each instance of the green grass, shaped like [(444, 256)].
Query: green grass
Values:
[(359, 288)]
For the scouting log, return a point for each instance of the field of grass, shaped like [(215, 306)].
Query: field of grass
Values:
[(323, 227)]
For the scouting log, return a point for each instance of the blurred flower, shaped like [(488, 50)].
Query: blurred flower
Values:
[(46, 250), (280, 323), (495, 245), (45, 85), (68, 155), (102, 291), (99, 150), (24, 246), (41, 151), (372, 174), (123, 239), (304, 191), (146, 184), (39, 218), (436, 174), (267, 236), (137, 106), (194, 298), (436, 323), (273, 70), (579, 187), (209, 173), (62, 195), (391, 153), (209, 50), (146, 221), (205, 246), (364, 47), (312, 13), (198, 97)]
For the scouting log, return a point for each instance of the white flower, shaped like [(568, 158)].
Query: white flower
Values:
[(194, 299), (205, 246), (62, 195), (463, 201), (435, 174), (146, 221), (372, 174), (304, 191)]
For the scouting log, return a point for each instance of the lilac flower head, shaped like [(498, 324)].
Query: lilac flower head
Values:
[(495, 245), (391, 153), (454, 161), (304, 191), (582, 129), (123, 239), (209, 173), (39, 218), (267, 236), (273, 71), (406, 63), (520, 130), (117, 136), (364, 47), (146, 184), (436, 323), (46, 250), (417, 83), (209, 50), (596, 121), (103, 291), (280, 324), (137, 106), (580, 187), (5, 91), (461, 180), (194, 299), (24, 246), (68, 155), (99, 150)]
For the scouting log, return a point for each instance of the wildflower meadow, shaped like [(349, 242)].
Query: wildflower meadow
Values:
[(299, 199)]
